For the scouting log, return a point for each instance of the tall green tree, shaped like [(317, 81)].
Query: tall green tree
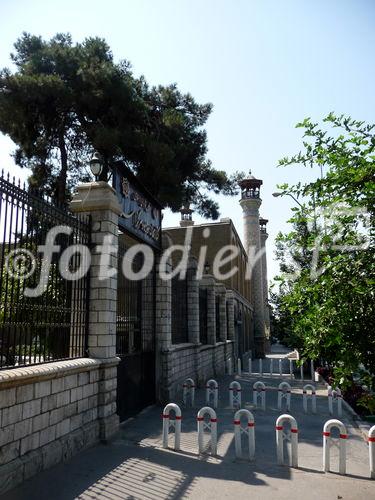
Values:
[(65, 100), (326, 300)]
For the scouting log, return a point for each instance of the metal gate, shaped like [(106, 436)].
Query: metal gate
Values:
[(135, 339)]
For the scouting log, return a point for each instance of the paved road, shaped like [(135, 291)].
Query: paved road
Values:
[(135, 466)]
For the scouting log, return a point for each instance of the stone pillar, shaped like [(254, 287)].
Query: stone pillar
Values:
[(193, 301), (99, 200), (163, 321), (230, 312), (208, 282), (250, 207), (263, 239), (221, 292)]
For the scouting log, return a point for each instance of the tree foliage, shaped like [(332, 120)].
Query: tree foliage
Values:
[(65, 100), (325, 304)]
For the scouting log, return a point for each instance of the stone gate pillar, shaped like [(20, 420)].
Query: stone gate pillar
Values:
[(99, 201), (220, 292), (163, 321), (192, 301), (208, 283), (230, 313)]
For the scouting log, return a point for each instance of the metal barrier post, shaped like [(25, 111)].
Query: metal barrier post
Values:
[(248, 430), (172, 424), (371, 450), (235, 394), (212, 388), (291, 436), (284, 392), (312, 396), (327, 443), (211, 426), (188, 391), (259, 391)]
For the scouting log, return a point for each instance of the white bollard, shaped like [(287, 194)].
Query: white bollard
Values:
[(259, 392), (291, 368), (312, 396), (239, 367), (188, 392), (250, 366), (334, 397), (212, 389), (210, 426), (371, 450), (327, 443), (301, 370), (291, 436), (284, 392), (312, 369), (280, 367), (248, 430), (260, 366), (271, 367), (172, 424), (235, 394), (229, 366)]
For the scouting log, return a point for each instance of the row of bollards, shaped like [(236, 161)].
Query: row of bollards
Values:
[(210, 425), (259, 395), (271, 372)]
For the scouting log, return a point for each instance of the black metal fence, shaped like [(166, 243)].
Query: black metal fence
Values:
[(49, 325), (179, 310), (203, 336), (129, 308)]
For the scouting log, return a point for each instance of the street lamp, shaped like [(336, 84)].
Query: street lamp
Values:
[(96, 165)]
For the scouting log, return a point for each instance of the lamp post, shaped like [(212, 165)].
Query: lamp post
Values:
[(96, 165)]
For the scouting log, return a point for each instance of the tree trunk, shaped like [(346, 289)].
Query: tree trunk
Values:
[(62, 178)]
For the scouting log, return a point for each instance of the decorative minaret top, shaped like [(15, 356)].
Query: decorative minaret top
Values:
[(250, 187), (263, 225), (186, 216)]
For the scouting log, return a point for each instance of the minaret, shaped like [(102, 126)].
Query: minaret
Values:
[(250, 203), (263, 239), (186, 216)]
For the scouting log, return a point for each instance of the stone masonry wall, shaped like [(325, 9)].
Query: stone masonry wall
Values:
[(48, 413), (199, 362)]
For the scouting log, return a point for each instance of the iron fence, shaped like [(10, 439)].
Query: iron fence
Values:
[(129, 308), (52, 325)]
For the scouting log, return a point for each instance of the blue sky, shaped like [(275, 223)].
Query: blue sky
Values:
[(264, 64)]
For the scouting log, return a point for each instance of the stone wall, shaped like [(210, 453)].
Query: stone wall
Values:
[(199, 362), (50, 412)]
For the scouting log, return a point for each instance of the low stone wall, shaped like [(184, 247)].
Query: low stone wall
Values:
[(50, 412), (196, 361)]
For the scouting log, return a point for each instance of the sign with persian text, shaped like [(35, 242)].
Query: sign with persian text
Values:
[(141, 215)]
